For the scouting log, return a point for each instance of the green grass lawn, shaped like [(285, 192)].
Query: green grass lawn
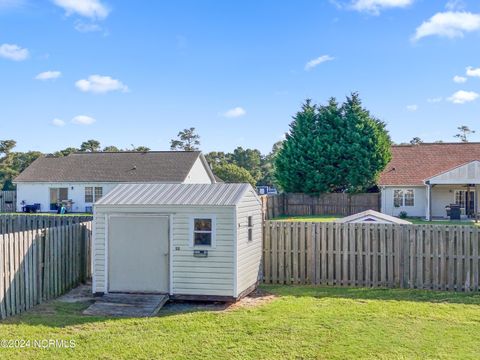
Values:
[(300, 323), (330, 218)]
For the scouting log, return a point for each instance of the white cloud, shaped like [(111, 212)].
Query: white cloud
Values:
[(99, 84), (13, 52), (412, 107), (58, 122), (462, 97), (315, 62), (455, 5), (48, 75), (83, 120), (93, 9), (376, 6), (473, 72), (448, 24), (235, 112), (87, 27), (434, 100), (459, 79)]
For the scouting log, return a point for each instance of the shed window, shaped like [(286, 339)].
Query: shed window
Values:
[(250, 228), (203, 231), (403, 197)]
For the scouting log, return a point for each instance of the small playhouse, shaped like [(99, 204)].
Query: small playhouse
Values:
[(190, 241)]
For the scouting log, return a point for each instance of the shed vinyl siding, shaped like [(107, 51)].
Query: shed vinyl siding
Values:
[(249, 253), (191, 275), (420, 201)]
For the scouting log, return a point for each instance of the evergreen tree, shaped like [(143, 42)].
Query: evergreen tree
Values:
[(333, 148)]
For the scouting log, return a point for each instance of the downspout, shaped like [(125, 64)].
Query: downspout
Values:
[(428, 214)]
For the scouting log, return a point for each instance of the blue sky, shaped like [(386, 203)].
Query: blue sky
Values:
[(137, 72)]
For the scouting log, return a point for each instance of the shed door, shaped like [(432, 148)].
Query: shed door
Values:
[(138, 254)]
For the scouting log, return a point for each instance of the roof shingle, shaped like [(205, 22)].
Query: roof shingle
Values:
[(412, 164), (154, 166)]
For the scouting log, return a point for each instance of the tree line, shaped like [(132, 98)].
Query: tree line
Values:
[(332, 147)]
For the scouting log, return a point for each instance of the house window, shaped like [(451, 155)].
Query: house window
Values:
[(409, 198), (98, 193), (203, 233), (93, 194), (250, 228), (403, 198), (89, 194), (397, 198)]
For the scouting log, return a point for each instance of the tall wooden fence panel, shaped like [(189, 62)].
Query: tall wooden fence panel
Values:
[(41, 264), (19, 222), (436, 257), (323, 204), (8, 201)]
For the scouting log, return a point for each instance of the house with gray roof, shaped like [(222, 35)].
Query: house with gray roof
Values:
[(80, 179)]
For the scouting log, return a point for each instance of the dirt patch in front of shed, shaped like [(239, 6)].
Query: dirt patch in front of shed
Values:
[(257, 298)]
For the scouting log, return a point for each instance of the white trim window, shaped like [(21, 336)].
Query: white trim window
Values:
[(403, 197), (93, 194), (202, 231), (409, 197)]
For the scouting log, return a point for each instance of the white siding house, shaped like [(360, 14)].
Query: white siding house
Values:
[(81, 179), (424, 180), (194, 241)]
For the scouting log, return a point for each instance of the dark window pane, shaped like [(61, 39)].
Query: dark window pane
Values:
[(202, 239), (89, 194), (98, 193), (203, 224), (250, 234)]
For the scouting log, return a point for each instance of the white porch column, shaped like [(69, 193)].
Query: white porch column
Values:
[(428, 216)]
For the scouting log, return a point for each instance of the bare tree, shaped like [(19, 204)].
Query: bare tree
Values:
[(187, 140), (464, 131)]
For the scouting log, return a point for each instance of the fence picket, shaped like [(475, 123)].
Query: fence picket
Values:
[(35, 262), (415, 256)]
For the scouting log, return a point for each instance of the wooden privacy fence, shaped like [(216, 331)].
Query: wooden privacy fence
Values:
[(437, 257), (41, 264), (8, 201), (323, 204), (19, 222)]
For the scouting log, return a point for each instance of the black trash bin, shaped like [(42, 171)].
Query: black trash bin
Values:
[(455, 212)]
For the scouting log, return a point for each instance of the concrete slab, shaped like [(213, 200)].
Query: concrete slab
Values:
[(127, 305)]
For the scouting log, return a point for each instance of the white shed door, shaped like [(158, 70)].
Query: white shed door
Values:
[(138, 254)]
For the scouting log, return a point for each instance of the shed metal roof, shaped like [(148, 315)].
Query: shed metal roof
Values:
[(221, 194)]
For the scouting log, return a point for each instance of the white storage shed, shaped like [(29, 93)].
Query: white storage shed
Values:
[(191, 241)]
